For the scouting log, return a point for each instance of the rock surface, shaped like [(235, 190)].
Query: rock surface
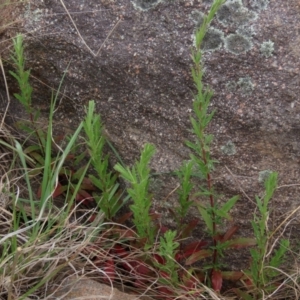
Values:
[(133, 59)]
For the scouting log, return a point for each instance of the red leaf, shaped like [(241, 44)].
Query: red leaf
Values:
[(141, 268), (70, 157), (137, 267), (186, 232), (164, 275), (229, 233), (248, 282), (59, 190), (216, 279), (141, 283), (39, 192), (159, 259), (165, 290), (197, 256), (92, 217), (127, 233), (109, 270), (189, 281), (123, 218), (119, 251), (84, 197), (163, 229), (87, 185), (193, 247), (59, 138)]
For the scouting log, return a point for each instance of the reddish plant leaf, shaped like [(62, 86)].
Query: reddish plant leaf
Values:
[(142, 269), (163, 229), (179, 257), (122, 219), (124, 233), (248, 282), (84, 197), (193, 247), (159, 259), (218, 237), (165, 291), (229, 233), (138, 243), (216, 280), (59, 138), (198, 256), (92, 251), (92, 217), (109, 270), (120, 251), (188, 228), (70, 157), (137, 267), (188, 280), (164, 275), (141, 283), (39, 192), (60, 189), (232, 275), (190, 249), (87, 185), (240, 243)]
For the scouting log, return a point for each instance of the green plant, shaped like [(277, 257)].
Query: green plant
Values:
[(138, 177), (167, 249), (212, 214), (267, 256), (34, 219), (264, 264), (110, 201), (71, 180), (21, 75), (51, 166), (184, 191)]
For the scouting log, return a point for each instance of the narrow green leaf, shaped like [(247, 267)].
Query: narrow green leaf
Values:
[(206, 217), (229, 204)]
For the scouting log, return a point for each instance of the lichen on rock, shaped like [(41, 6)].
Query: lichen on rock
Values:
[(229, 148), (233, 13), (267, 48), (237, 43), (213, 39), (245, 84), (259, 4)]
